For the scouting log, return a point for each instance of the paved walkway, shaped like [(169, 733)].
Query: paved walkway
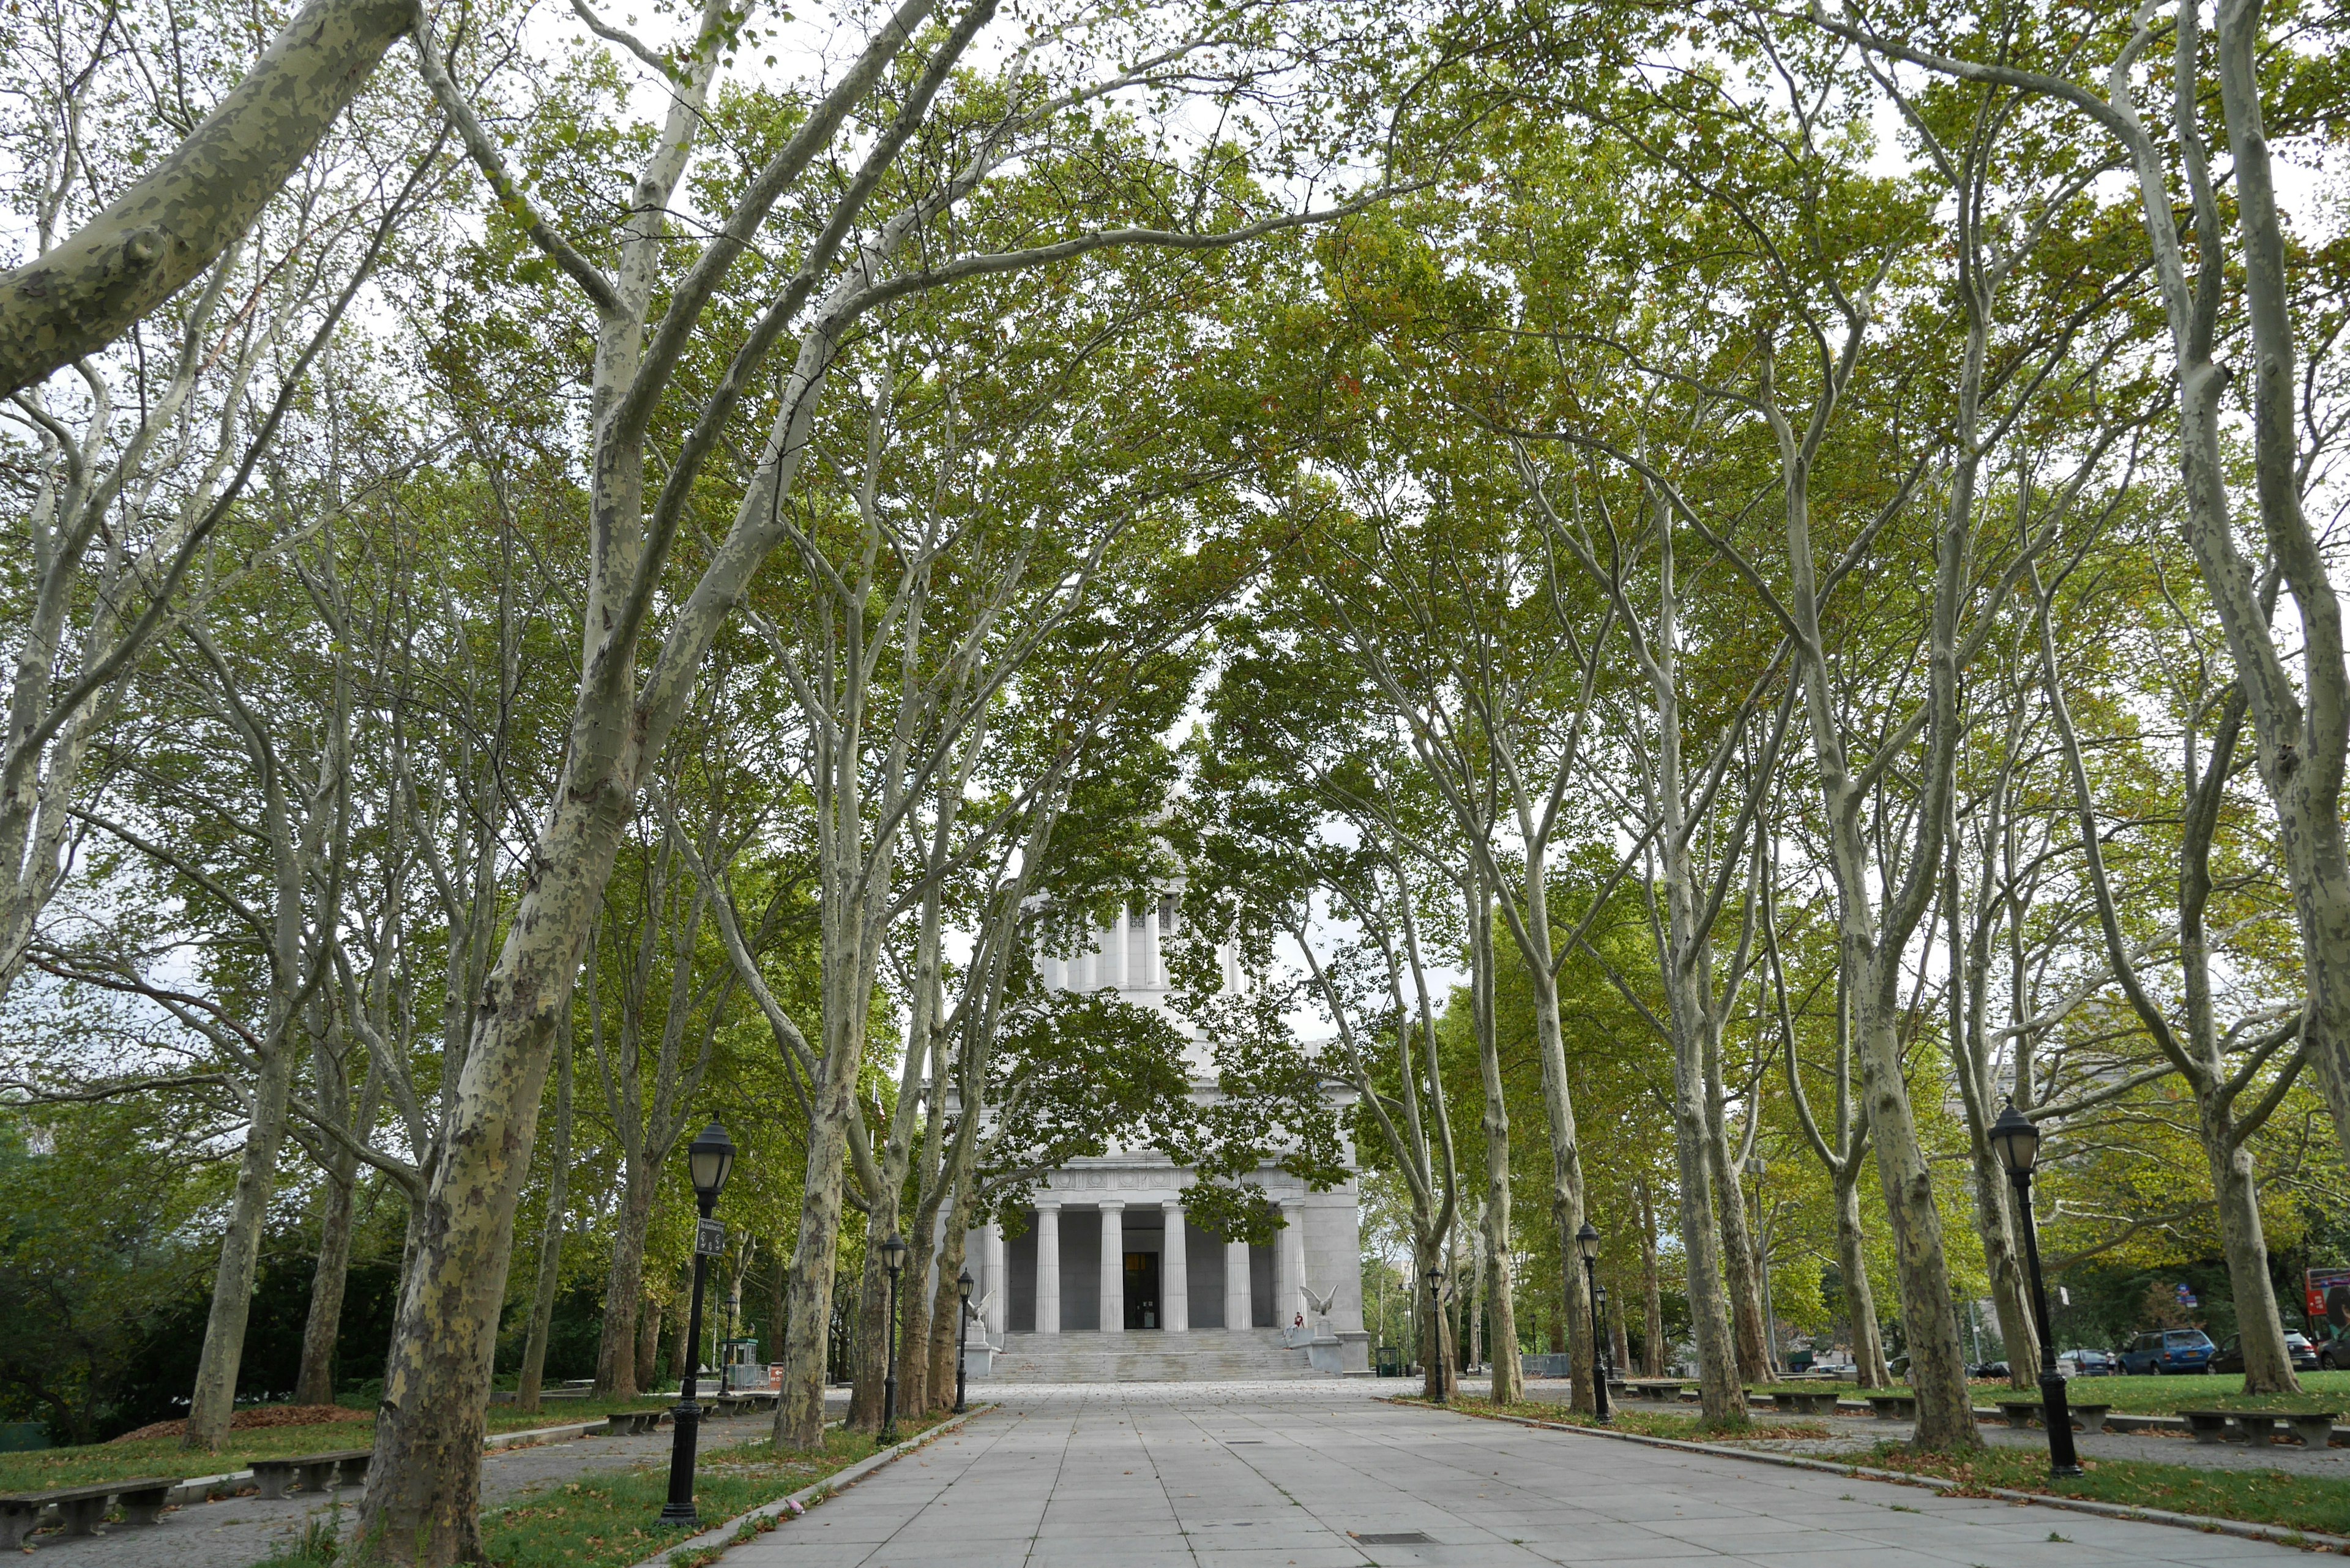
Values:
[(1284, 1475)]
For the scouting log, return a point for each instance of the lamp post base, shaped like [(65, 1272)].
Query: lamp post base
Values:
[(680, 1509), (2056, 1411)]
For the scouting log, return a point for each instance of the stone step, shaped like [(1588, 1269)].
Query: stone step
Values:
[(1147, 1355)]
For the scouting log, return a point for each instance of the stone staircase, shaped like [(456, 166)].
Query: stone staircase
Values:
[(1149, 1356)]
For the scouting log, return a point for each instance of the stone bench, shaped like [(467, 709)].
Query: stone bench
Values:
[(633, 1423), (315, 1472), (751, 1399), (1822, 1402), (1891, 1407), (82, 1507), (2087, 1415), (1665, 1388), (2315, 1428)]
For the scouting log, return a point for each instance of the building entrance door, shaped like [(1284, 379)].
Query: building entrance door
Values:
[(1142, 1290)]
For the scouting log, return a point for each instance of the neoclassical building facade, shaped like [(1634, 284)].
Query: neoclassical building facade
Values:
[(1108, 1250)]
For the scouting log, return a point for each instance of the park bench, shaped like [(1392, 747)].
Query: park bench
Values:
[(2087, 1415), (755, 1399), (1665, 1388), (2315, 1428), (1805, 1402), (1895, 1404), (82, 1507), (316, 1472), (633, 1423)]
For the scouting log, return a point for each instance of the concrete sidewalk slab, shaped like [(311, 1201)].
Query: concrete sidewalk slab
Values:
[(1300, 1476)]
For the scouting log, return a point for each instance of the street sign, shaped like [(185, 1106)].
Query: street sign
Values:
[(709, 1238)]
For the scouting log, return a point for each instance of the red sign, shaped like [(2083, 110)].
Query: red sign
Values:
[(2327, 1294)]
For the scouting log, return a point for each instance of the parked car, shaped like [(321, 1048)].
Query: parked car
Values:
[(2332, 1352), (2168, 1350), (2086, 1364), (2230, 1354)]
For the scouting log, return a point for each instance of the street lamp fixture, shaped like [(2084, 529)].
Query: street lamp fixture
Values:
[(893, 1259), (2016, 1140), (1586, 1243), (708, 1160), (963, 1283)]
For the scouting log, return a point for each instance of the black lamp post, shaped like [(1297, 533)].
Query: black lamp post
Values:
[(1439, 1375), (893, 1259), (2017, 1142), (1586, 1241), (963, 1337), (710, 1158)]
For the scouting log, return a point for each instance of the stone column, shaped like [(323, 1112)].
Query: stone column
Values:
[(1155, 958), (1049, 1265), (1291, 1271), (1113, 953), (1113, 1266), (1236, 1286), (1174, 1272), (993, 1286)]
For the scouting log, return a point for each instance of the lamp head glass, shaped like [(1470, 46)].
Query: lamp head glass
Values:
[(963, 1282), (711, 1159), (2016, 1140), (893, 1252), (1586, 1241)]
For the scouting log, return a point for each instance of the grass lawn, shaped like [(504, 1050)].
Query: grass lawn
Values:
[(611, 1520), (45, 1468), (1648, 1423), (2259, 1497), (2168, 1395)]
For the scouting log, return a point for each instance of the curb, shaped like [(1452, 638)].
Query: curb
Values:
[(722, 1536), (2275, 1534)]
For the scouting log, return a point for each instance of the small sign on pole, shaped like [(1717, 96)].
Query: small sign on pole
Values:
[(709, 1238)]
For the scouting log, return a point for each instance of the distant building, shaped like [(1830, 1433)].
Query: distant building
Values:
[(1111, 1281)]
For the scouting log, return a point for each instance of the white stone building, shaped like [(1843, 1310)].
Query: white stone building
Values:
[(1111, 1280)]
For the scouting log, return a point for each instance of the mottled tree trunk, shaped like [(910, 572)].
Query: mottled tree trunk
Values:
[(1652, 1298), (1622, 1339), (214, 1398), (550, 1242), (1929, 1316), (1859, 1298), (1741, 1276), (616, 1355), (946, 1316), (1438, 1377), (1493, 1213), (2017, 1330), (199, 197), (316, 1383), (799, 1412), (2268, 1364), (914, 1338), (649, 1327)]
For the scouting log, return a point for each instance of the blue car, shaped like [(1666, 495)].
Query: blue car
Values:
[(2168, 1350)]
